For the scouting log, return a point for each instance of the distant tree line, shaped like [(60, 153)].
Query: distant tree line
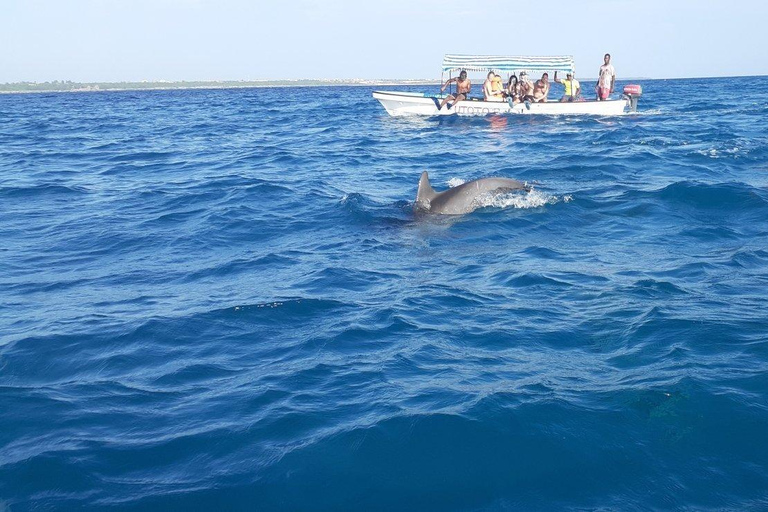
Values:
[(68, 85)]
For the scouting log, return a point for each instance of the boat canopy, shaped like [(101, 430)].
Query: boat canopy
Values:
[(562, 63)]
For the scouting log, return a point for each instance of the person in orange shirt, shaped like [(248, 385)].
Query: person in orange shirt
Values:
[(492, 89)]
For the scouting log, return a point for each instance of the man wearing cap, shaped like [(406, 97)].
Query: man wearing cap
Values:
[(572, 87), (526, 87)]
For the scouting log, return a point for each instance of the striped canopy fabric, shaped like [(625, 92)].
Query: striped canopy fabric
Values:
[(562, 63)]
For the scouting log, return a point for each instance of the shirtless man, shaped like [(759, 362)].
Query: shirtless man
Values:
[(526, 87), (491, 91), (463, 86), (541, 89), (606, 79)]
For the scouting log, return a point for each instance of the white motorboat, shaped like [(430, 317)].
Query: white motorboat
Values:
[(408, 103)]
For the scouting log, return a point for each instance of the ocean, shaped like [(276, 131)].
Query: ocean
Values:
[(223, 300)]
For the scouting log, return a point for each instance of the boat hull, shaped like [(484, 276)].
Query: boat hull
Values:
[(410, 104)]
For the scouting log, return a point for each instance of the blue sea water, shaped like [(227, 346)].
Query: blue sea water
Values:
[(222, 299)]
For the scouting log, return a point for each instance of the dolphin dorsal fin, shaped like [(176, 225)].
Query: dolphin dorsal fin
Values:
[(425, 193)]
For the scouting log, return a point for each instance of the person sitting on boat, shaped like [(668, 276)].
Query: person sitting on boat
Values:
[(541, 89), (498, 85), (526, 87), (512, 91), (490, 91), (572, 87), (463, 87)]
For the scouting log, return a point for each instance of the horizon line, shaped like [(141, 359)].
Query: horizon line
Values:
[(354, 80), (160, 85)]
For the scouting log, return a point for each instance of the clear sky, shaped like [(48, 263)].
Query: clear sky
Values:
[(134, 40)]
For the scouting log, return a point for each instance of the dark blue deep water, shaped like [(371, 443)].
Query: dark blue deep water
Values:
[(221, 299)]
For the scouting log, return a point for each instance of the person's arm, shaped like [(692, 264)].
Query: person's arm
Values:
[(613, 79), (557, 80), (597, 86), (450, 80)]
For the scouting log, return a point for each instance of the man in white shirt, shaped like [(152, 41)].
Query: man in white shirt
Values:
[(606, 79)]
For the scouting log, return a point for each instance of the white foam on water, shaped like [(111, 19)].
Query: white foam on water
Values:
[(712, 153), (725, 152), (532, 199), (649, 112), (523, 200)]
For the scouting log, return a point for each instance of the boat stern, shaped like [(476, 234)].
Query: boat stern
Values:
[(633, 92)]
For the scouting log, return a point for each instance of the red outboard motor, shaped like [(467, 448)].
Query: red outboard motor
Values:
[(633, 92)]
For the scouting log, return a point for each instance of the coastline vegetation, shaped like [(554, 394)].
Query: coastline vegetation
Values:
[(69, 86)]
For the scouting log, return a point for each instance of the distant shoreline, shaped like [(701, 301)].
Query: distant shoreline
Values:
[(46, 87), (69, 86)]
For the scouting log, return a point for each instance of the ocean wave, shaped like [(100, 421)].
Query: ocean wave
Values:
[(264, 322), (49, 189), (727, 196)]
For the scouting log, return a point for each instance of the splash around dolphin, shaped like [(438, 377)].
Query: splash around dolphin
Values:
[(463, 198)]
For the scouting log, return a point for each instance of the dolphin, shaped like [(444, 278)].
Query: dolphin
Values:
[(463, 198)]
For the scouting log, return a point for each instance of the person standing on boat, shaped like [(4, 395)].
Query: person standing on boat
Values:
[(463, 86), (541, 89), (492, 92), (606, 79), (572, 87)]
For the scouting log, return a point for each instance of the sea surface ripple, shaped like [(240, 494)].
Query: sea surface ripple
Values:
[(222, 299)]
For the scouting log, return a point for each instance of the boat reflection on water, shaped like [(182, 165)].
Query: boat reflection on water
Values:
[(498, 122)]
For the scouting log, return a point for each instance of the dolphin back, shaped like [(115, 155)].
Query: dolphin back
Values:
[(493, 184), (463, 198)]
